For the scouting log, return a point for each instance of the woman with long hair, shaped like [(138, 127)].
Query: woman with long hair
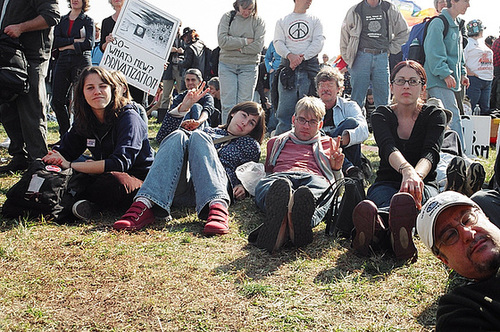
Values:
[(74, 39), (409, 135), (198, 168), (241, 37), (117, 138)]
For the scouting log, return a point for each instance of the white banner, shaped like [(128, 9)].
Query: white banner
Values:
[(144, 35), (477, 135)]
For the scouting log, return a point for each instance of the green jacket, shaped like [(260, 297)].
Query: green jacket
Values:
[(443, 57)]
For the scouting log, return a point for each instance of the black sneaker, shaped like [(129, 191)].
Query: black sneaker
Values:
[(83, 209), (456, 175), (300, 212), (475, 178), (15, 165), (272, 235)]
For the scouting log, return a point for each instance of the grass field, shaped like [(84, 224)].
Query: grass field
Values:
[(169, 277)]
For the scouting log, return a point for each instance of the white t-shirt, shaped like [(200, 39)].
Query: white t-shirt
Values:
[(479, 59), (299, 34)]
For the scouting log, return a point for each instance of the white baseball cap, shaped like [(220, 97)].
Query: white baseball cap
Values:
[(426, 220)]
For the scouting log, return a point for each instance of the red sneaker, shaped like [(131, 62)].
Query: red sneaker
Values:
[(218, 220), (136, 217)]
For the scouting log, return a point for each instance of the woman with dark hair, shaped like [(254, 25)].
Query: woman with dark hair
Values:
[(241, 37), (74, 38), (409, 135), (117, 138), (194, 52), (212, 156)]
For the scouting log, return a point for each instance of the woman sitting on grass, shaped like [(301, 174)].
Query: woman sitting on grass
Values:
[(211, 182), (409, 135), (115, 135)]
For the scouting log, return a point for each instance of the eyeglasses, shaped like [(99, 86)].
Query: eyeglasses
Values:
[(402, 81), (451, 236), (303, 121)]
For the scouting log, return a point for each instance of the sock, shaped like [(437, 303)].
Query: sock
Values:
[(219, 201), (146, 201)]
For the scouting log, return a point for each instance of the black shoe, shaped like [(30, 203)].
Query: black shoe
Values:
[(300, 213), (83, 209), (272, 235), (456, 175), (475, 178), (16, 164)]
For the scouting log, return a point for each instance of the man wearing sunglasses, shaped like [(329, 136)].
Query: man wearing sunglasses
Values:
[(458, 232)]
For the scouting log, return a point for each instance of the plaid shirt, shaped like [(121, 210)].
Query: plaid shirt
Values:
[(496, 53)]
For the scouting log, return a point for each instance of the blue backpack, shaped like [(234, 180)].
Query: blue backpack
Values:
[(413, 49)]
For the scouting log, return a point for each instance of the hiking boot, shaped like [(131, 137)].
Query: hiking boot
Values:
[(274, 230), (83, 209), (218, 220), (456, 175), (137, 216), (475, 178), (300, 212), (365, 216), (402, 217), (16, 164)]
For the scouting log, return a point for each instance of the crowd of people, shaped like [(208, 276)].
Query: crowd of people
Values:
[(210, 126)]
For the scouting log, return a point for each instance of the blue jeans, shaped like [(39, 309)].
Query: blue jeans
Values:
[(186, 172), (381, 193), (353, 153), (447, 96), (370, 68), (317, 185), (237, 84), (288, 99), (479, 92)]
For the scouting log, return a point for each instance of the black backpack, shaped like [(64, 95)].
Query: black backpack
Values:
[(339, 216), (13, 69), (44, 190)]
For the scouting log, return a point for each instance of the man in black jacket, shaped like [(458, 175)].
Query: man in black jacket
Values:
[(458, 232), (24, 119)]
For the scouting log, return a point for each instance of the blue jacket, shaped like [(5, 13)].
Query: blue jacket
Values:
[(82, 25), (272, 58), (443, 57), (124, 145)]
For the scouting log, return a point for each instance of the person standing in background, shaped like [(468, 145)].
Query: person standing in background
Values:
[(298, 38), (241, 37), (371, 31), (24, 119), (74, 38)]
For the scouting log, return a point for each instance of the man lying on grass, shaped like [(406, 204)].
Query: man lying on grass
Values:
[(458, 232)]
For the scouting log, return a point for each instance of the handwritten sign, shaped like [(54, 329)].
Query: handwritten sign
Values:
[(477, 135), (144, 36)]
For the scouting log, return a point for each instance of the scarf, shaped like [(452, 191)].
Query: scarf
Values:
[(319, 154)]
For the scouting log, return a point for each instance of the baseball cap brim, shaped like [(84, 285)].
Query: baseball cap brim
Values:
[(426, 220)]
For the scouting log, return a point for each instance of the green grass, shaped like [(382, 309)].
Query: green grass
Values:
[(169, 277)]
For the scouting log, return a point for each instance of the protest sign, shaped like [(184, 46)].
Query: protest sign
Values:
[(476, 135), (143, 37)]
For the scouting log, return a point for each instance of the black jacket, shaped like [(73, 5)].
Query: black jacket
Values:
[(82, 25), (37, 44)]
